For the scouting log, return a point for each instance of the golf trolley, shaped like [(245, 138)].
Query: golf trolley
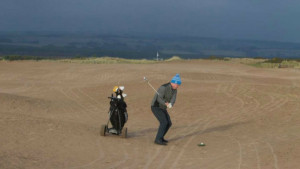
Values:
[(117, 115)]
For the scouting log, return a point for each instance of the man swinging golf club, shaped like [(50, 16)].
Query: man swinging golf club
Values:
[(164, 98)]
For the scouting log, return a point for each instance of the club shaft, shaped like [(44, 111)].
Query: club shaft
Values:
[(153, 88)]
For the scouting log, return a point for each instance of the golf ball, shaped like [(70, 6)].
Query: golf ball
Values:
[(201, 144)]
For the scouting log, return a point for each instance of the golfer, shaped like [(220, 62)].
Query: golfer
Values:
[(163, 99)]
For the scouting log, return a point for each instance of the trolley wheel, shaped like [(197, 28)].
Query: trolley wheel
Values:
[(103, 130), (124, 133)]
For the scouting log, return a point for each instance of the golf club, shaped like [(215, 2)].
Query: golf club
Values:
[(153, 88), (150, 84)]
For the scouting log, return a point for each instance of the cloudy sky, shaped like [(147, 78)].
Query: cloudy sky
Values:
[(238, 19)]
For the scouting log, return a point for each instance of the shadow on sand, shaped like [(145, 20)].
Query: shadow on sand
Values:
[(209, 130), (141, 133)]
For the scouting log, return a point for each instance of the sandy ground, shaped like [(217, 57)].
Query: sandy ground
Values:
[(51, 113)]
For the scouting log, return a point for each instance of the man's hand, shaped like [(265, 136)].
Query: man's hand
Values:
[(169, 105)]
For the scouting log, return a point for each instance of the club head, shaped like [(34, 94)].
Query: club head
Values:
[(145, 79)]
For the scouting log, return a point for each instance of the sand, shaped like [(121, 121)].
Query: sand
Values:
[(51, 114)]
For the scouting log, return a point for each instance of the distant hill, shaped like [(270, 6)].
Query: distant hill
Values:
[(66, 45)]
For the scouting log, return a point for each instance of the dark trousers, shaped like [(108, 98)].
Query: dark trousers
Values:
[(164, 122)]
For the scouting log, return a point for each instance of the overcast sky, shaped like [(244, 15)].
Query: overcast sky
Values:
[(239, 19)]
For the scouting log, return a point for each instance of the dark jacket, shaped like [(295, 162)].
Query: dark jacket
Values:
[(166, 94)]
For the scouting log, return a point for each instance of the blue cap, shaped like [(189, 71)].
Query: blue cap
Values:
[(176, 79)]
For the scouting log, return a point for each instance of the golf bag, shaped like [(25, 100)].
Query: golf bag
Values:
[(117, 112)]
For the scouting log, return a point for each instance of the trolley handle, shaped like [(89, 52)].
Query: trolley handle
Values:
[(113, 98)]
